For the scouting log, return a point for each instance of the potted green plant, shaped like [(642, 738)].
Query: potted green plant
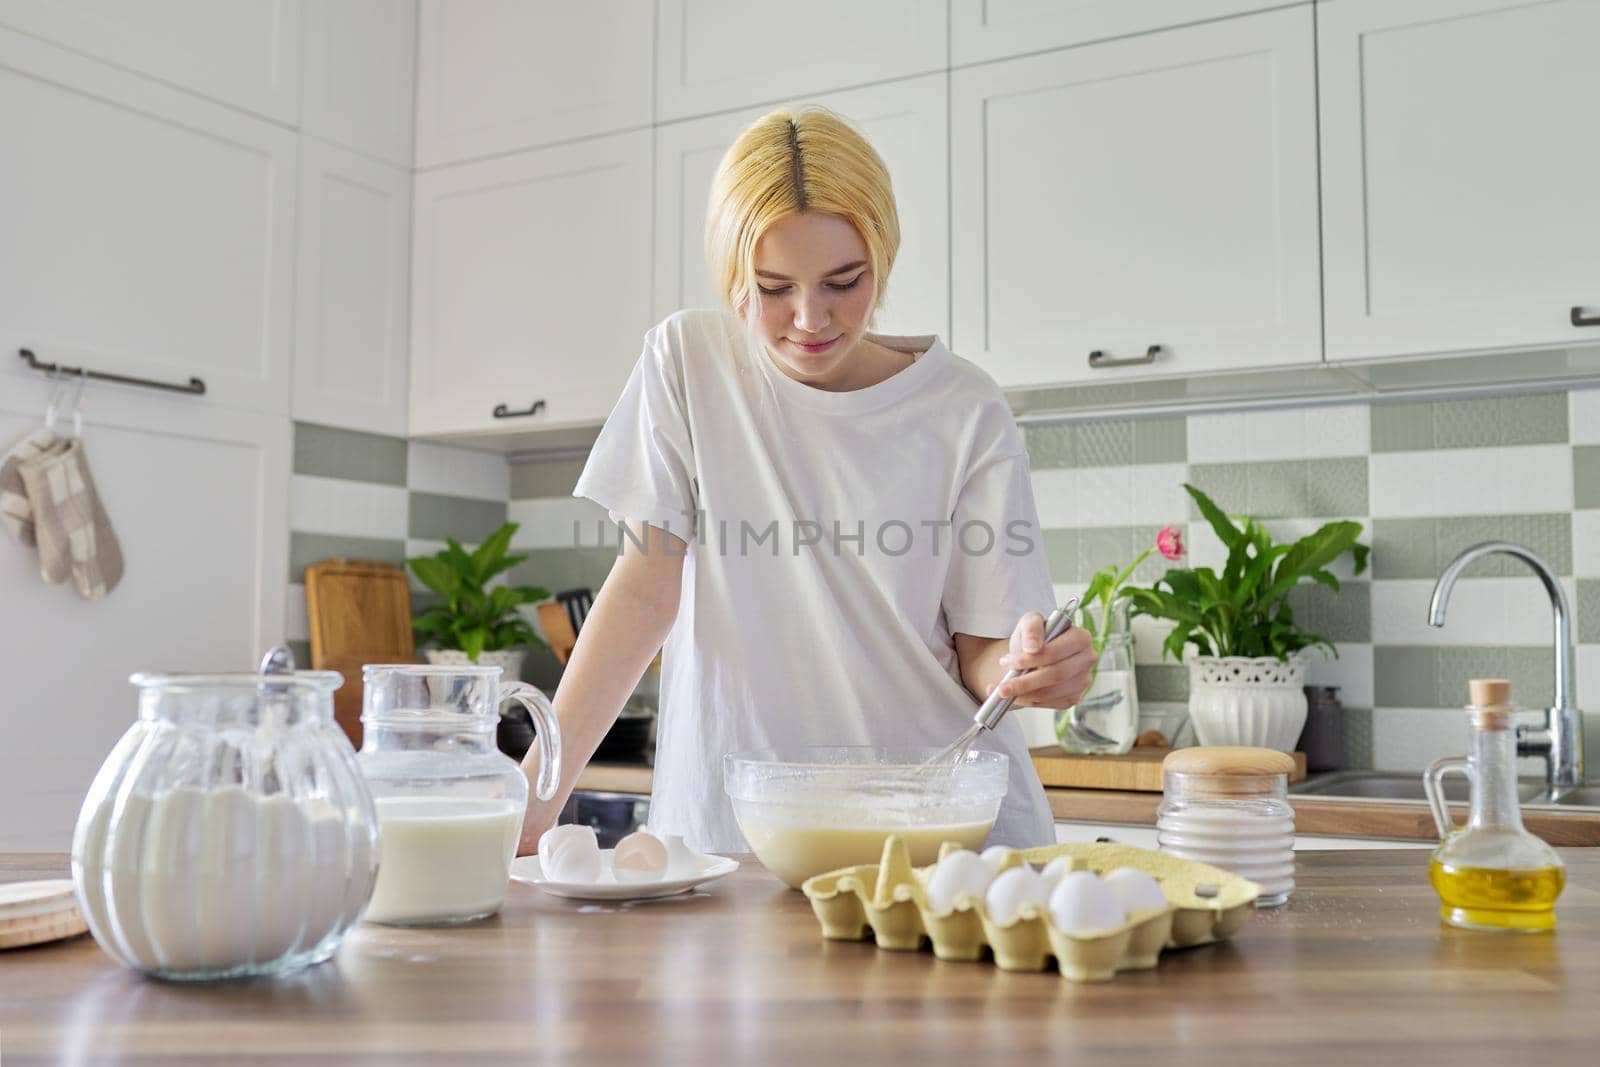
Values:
[(475, 623), (1246, 680)]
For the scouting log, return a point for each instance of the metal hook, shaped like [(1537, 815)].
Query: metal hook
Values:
[(58, 386), (77, 402)]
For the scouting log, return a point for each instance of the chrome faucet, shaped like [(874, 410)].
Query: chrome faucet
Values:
[(1560, 740)]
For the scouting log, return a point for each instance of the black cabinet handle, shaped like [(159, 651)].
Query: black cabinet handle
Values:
[(503, 412), (1098, 359), (1580, 319)]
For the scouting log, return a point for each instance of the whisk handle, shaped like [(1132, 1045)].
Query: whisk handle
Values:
[(991, 711)]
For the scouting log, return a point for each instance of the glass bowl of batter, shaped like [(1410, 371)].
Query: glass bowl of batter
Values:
[(806, 810)]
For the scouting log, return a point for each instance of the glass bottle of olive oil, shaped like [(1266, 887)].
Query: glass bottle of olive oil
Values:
[(1491, 874)]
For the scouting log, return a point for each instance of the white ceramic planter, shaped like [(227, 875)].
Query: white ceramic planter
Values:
[(509, 660), (1236, 700)]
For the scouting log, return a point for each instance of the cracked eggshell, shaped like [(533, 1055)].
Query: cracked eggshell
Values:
[(639, 857), (959, 873), (570, 854)]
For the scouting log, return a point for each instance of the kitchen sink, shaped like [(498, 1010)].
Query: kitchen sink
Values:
[(1388, 785), (1583, 796), (1385, 785)]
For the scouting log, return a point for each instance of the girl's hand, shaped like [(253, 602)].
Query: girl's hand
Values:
[(1058, 672)]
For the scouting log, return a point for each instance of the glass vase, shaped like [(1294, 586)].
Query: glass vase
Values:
[(1105, 720)]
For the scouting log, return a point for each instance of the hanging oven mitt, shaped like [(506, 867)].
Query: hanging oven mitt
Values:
[(71, 524), (16, 513)]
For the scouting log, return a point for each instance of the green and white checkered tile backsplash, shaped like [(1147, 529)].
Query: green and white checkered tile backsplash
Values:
[(1425, 479)]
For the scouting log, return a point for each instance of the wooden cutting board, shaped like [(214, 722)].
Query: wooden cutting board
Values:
[(359, 613), (1138, 771), (32, 913)]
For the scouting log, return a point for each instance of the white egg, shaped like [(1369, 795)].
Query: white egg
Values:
[(1136, 889), (1081, 904), (570, 854), (1010, 890), (994, 856), (959, 873), (1056, 870)]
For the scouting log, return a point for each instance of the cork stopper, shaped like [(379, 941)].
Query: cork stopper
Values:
[(1489, 703), (1228, 771)]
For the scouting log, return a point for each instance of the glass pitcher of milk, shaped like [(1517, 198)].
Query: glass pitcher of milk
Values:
[(449, 803)]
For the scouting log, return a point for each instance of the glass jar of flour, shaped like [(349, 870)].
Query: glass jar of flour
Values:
[(449, 803), (229, 832), (1229, 807)]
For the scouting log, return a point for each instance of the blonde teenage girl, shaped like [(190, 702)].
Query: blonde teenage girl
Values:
[(832, 531)]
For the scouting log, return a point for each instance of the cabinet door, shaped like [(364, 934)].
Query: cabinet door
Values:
[(496, 76), (905, 121), (147, 232), (724, 55), (352, 285), (995, 29), (530, 282), (1459, 172), (359, 87), (1158, 190), (245, 53), (198, 497)]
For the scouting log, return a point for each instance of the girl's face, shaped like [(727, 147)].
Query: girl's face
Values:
[(816, 297)]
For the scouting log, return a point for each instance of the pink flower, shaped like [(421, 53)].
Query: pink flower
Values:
[(1170, 542)]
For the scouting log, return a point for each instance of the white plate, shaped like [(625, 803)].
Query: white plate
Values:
[(698, 870)]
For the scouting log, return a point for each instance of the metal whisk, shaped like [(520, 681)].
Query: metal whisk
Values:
[(992, 710)]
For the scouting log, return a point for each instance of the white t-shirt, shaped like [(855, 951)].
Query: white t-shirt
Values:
[(836, 542)]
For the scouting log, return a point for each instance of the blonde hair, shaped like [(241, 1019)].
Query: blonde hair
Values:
[(786, 162)]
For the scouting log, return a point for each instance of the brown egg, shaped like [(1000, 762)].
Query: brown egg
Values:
[(639, 857)]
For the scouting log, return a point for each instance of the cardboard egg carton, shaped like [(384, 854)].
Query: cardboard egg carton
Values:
[(890, 898)]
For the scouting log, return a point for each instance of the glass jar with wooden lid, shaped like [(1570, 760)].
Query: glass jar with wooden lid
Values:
[(1228, 806)]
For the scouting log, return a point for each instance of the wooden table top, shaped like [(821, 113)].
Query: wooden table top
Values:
[(1357, 969)]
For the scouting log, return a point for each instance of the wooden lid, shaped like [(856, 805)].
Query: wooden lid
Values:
[(1489, 692), (1228, 761), (1489, 700), (1226, 772)]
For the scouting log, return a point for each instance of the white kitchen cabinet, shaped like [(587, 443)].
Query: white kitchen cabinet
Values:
[(530, 286), (359, 76), (982, 30), (904, 120), (148, 232), (197, 495), (1155, 191), (1458, 174), (726, 55), (352, 291), (496, 76), (245, 53)]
